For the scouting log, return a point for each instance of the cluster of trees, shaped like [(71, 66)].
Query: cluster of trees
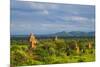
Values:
[(50, 51)]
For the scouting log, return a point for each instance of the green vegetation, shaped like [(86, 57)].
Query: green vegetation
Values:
[(50, 51)]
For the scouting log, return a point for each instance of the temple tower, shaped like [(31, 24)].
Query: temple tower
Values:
[(32, 40)]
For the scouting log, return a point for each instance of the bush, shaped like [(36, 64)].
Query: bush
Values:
[(50, 51)]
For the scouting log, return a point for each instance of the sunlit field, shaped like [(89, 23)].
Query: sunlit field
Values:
[(51, 51)]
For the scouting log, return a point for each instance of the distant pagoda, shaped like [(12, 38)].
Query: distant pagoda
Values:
[(77, 48), (56, 38), (32, 41), (89, 45)]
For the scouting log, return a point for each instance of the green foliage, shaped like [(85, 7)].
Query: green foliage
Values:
[(49, 51)]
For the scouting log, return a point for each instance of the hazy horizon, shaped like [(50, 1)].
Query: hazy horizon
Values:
[(51, 33)]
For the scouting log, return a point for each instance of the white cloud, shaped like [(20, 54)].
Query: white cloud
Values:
[(54, 25), (78, 18), (43, 6), (46, 12)]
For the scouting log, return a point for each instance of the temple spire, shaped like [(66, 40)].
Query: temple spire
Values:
[(32, 40)]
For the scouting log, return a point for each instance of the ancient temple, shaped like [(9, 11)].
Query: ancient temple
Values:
[(32, 40), (89, 45), (56, 38), (77, 48)]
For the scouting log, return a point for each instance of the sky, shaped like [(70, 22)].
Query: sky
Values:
[(48, 18)]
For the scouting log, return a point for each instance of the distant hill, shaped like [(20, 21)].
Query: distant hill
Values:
[(62, 34), (74, 33)]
